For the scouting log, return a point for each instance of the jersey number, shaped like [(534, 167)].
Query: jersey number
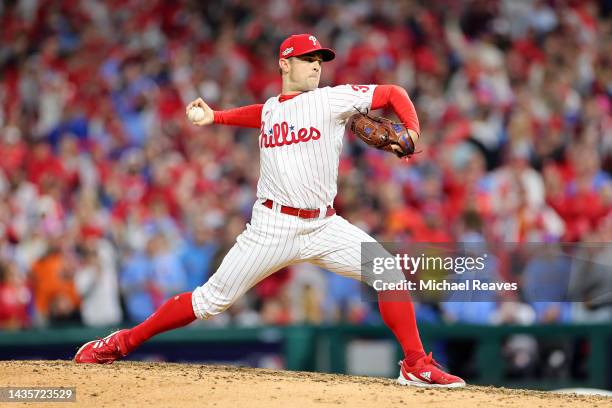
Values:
[(362, 88)]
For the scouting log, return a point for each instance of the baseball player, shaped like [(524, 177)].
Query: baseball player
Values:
[(293, 220)]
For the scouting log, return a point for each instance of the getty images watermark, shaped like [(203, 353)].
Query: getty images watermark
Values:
[(384, 267), (487, 272)]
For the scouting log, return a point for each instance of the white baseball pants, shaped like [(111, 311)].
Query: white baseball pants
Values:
[(274, 240)]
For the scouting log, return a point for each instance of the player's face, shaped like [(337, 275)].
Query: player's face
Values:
[(305, 71)]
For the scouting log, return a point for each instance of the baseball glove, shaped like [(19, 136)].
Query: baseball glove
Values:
[(382, 133)]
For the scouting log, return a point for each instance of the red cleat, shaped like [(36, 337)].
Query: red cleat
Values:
[(104, 351), (427, 373)]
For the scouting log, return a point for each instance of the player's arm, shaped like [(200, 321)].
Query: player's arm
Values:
[(345, 100), (245, 116), (397, 98)]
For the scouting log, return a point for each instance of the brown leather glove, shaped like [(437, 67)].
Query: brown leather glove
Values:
[(383, 133)]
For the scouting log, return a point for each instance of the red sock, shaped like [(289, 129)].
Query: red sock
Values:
[(174, 313), (399, 316)]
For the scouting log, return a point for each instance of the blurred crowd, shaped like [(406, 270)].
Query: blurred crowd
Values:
[(110, 201)]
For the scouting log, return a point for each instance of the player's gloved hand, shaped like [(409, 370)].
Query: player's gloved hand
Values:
[(209, 116), (384, 134)]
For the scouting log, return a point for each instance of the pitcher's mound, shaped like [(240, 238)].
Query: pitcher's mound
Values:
[(135, 384)]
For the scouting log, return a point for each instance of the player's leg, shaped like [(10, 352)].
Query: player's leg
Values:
[(337, 248), (255, 256), (174, 313), (267, 245)]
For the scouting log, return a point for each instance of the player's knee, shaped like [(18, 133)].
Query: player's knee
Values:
[(208, 303), (374, 281)]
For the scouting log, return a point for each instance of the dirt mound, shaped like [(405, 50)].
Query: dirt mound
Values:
[(135, 384)]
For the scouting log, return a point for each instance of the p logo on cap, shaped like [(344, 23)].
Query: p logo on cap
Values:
[(300, 44)]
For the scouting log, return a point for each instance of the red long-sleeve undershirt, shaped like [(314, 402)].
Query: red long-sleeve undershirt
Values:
[(245, 116), (397, 98), (384, 96)]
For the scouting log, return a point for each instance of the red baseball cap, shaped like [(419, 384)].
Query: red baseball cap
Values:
[(300, 44)]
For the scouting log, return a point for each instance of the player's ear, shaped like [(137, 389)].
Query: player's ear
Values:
[(283, 65)]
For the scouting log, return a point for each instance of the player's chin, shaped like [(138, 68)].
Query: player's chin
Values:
[(311, 84)]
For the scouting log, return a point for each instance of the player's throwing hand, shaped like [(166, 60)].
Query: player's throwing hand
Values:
[(199, 113)]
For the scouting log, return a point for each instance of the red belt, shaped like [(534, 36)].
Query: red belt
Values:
[(300, 212)]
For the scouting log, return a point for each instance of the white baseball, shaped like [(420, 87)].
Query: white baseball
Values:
[(196, 114)]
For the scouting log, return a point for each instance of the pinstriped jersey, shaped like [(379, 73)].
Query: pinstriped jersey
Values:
[(300, 142)]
